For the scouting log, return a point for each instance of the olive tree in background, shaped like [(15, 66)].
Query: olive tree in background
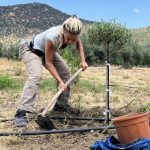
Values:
[(108, 34), (105, 34), (146, 54), (132, 54)]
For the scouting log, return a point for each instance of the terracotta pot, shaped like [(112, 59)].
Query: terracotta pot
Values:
[(132, 126)]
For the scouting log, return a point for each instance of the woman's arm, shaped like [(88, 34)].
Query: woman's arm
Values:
[(79, 47), (49, 54)]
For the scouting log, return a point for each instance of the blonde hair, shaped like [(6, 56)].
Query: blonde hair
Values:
[(73, 25)]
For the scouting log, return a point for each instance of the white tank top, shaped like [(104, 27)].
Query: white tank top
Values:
[(55, 34)]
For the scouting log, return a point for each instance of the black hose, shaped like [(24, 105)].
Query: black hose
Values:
[(59, 117), (78, 118), (56, 131)]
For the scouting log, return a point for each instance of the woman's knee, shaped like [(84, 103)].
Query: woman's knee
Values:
[(65, 74), (35, 79)]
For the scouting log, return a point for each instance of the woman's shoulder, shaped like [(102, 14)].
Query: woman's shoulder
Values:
[(55, 35)]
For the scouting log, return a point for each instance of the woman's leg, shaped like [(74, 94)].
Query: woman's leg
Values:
[(33, 65)]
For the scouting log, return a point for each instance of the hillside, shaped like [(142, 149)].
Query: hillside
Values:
[(142, 35), (30, 18)]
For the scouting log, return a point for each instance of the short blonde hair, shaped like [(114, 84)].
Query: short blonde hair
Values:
[(73, 25)]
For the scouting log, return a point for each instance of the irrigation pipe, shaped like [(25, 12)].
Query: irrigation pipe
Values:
[(59, 117), (56, 131)]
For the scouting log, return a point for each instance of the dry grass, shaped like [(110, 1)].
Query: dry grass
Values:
[(130, 90)]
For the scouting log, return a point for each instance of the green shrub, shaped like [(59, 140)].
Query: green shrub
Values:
[(145, 108), (72, 59), (7, 82), (48, 85)]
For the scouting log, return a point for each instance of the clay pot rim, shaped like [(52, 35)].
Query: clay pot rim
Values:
[(129, 117)]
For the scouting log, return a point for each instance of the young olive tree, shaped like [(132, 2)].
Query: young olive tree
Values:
[(108, 33)]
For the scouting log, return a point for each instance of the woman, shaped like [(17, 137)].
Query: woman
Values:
[(43, 50)]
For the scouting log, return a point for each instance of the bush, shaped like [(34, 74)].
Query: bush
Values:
[(145, 108), (72, 59), (8, 83), (9, 46), (48, 85)]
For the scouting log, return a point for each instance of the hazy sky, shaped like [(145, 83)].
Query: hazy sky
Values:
[(132, 13)]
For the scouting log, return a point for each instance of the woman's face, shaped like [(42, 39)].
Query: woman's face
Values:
[(69, 38)]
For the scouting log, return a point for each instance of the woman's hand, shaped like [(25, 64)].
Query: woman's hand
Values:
[(83, 65), (62, 86)]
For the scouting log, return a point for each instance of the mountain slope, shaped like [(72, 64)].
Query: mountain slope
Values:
[(30, 18)]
